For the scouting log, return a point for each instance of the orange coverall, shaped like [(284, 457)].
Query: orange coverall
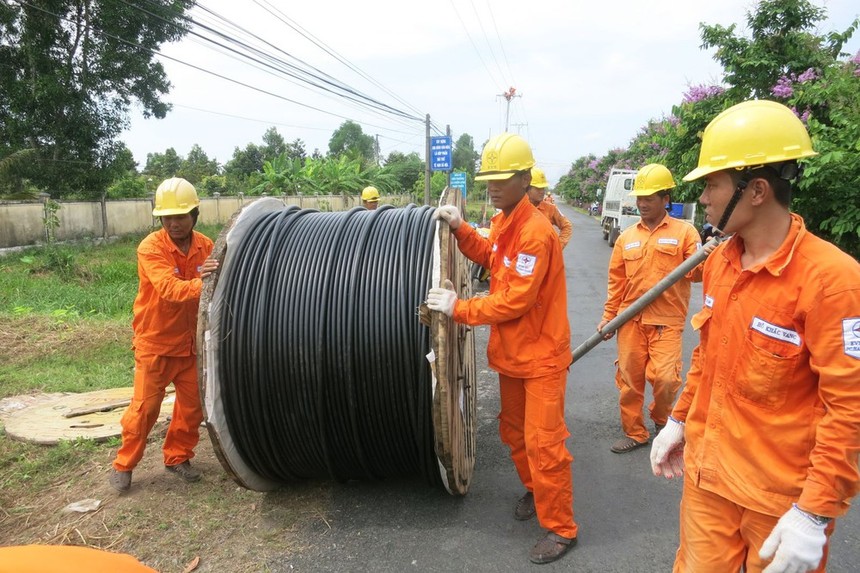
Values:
[(67, 559), (165, 329), (529, 347), (565, 228), (772, 400), (649, 346)]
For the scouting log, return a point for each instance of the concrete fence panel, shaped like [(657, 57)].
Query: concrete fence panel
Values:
[(126, 217), (22, 222), (79, 220)]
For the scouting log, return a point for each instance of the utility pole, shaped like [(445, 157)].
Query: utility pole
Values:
[(427, 160), (509, 95), (448, 174), (376, 151)]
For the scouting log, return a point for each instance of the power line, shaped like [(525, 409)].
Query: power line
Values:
[(199, 68), (270, 122), (477, 51), (487, 39), (322, 82), (501, 43), (320, 44)]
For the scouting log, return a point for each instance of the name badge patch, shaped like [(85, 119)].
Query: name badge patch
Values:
[(709, 301), (851, 336), (667, 241), (632, 245), (526, 264), (775, 332)]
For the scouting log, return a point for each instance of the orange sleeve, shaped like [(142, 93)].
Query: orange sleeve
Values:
[(692, 243), (691, 384), (617, 283), (476, 248), (833, 477), (159, 270), (515, 297), (565, 227)]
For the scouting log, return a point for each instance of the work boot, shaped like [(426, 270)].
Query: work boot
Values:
[(120, 481), (550, 548), (185, 471), (525, 508)]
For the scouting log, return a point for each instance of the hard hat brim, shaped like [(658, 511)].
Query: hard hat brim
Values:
[(167, 212), (495, 175), (647, 192), (700, 172)]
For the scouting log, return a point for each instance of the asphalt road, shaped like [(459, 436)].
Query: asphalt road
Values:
[(628, 519)]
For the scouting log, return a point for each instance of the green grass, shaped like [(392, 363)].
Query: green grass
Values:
[(65, 316), (38, 466)]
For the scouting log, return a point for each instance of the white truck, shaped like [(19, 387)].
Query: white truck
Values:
[(619, 208)]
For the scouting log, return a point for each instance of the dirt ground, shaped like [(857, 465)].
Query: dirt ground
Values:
[(164, 522)]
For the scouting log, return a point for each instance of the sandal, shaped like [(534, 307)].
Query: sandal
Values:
[(627, 444), (525, 508), (551, 547)]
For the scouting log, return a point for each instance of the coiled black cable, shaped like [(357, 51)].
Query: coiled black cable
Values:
[(322, 367)]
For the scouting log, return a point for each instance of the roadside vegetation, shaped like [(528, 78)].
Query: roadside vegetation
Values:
[(65, 326), (785, 58)]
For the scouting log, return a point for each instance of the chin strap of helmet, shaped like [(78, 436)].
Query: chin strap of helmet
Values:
[(789, 170), (730, 207)]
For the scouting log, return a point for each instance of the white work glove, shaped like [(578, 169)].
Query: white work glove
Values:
[(442, 299), (450, 214), (667, 450), (796, 544)]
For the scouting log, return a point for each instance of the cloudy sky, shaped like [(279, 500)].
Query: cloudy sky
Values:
[(588, 74)]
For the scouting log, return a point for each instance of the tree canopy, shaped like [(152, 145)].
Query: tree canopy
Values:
[(784, 59), (351, 141), (70, 71)]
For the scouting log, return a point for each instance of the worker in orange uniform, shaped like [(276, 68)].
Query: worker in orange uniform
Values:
[(538, 197), (370, 198), (67, 559), (529, 342), (767, 428), (649, 346), (170, 265)]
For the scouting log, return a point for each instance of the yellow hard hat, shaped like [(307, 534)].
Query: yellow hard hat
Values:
[(503, 156), (175, 196), (751, 133), (370, 194), (651, 179), (539, 178)]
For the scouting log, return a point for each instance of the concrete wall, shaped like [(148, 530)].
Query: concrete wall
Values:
[(22, 222)]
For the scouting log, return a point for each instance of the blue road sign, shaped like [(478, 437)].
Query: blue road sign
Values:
[(458, 179), (440, 153)]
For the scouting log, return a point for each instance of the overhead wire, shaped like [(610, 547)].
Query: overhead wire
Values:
[(320, 44), (501, 43), (271, 122), (193, 66), (260, 62), (487, 40), (477, 51), (255, 55)]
